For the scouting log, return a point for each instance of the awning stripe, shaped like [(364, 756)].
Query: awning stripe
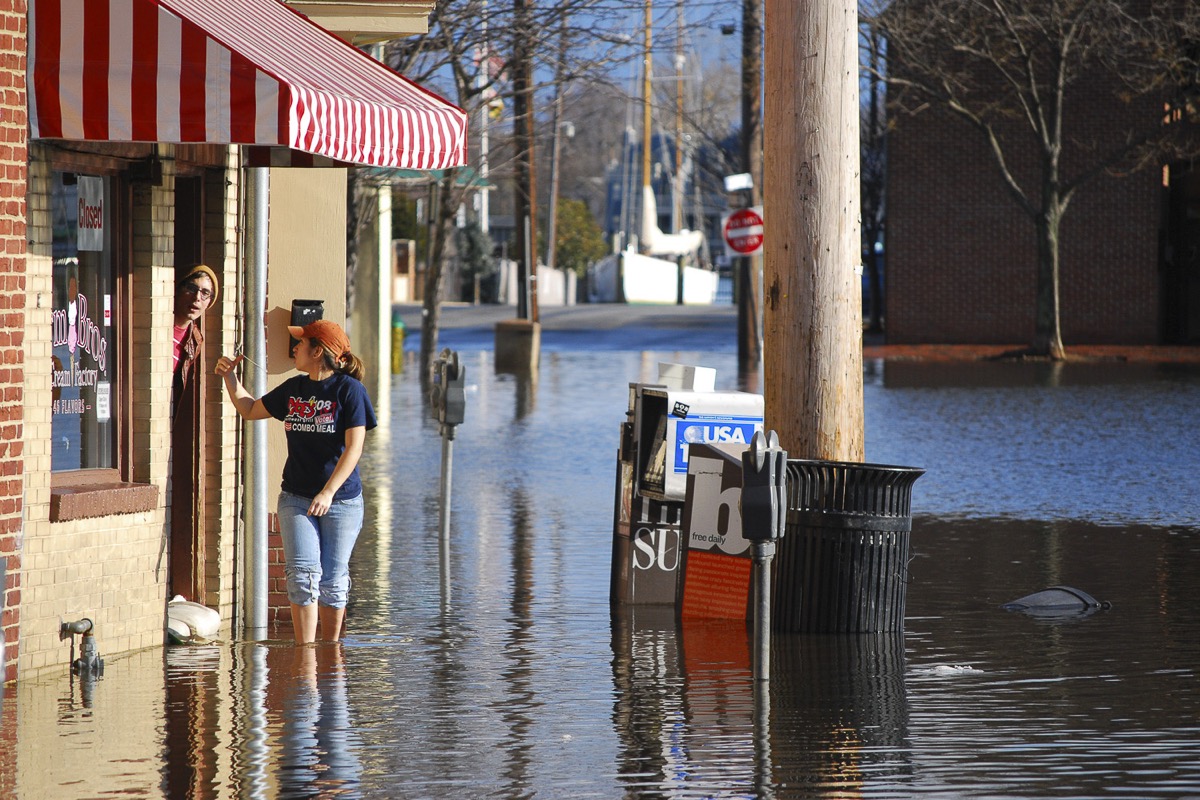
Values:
[(120, 101), (168, 69), (143, 126), (95, 81), (252, 72)]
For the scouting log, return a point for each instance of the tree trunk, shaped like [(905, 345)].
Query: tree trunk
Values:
[(813, 295), (750, 267), (443, 211), (1047, 339)]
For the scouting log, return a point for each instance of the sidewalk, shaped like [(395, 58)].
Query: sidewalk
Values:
[(875, 347)]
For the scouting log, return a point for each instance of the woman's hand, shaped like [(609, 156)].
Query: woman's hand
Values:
[(225, 365), (320, 504), (247, 406)]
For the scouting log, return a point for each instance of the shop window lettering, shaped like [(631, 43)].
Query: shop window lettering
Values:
[(73, 327), (91, 217), (84, 343)]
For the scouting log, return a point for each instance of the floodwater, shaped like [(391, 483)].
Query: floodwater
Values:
[(494, 668)]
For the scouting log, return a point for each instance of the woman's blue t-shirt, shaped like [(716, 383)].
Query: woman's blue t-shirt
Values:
[(316, 415)]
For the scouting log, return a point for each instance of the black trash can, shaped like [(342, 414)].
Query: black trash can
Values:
[(842, 566)]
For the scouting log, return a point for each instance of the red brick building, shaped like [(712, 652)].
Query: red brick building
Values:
[(962, 255), (13, 165)]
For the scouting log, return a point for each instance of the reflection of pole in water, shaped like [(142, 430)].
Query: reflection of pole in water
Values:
[(254, 751), (526, 394), (764, 782), (521, 697)]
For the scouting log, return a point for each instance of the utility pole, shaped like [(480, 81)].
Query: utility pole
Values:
[(485, 79), (749, 268), (556, 148), (647, 73), (677, 222), (526, 192), (518, 341), (812, 291)]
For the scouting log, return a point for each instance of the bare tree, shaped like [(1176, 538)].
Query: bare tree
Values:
[(468, 56), (873, 159), (1010, 70)]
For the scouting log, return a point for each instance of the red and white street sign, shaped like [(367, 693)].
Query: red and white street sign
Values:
[(743, 232)]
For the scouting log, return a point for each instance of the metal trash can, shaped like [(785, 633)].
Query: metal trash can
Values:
[(842, 566)]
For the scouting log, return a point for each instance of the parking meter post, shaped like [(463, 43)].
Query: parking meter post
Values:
[(764, 552), (764, 507), (447, 475)]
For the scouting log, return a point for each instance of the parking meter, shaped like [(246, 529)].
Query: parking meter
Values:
[(764, 488), (764, 515), (447, 397)]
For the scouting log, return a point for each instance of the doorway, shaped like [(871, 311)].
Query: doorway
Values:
[(188, 429), (1181, 257)]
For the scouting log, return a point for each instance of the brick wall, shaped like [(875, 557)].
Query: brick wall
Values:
[(13, 154), (279, 609), (223, 457), (962, 256)]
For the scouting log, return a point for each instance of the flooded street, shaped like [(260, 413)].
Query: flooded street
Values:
[(496, 668)]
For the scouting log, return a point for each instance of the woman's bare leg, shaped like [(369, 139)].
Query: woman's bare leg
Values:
[(331, 622), (304, 623)]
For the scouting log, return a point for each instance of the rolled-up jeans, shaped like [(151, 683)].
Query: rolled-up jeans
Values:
[(317, 549)]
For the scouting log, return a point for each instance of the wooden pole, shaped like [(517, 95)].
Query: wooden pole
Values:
[(525, 183), (812, 287)]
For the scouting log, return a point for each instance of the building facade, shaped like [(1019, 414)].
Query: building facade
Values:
[(961, 255), (94, 224)]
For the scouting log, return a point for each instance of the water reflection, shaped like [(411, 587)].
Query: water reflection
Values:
[(840, 713), (193, 692), (518, 703), (645, 670), (293, 733), (493, 665), (308, 705)]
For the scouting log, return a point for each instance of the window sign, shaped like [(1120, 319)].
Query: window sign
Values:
[(83, 344), (90, 216)]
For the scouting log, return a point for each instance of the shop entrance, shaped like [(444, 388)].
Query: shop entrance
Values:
[(187, 575)]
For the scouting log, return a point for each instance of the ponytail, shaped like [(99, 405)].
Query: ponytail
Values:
[(351, 365)]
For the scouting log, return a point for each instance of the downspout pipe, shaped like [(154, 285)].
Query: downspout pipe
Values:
[(255, 347)]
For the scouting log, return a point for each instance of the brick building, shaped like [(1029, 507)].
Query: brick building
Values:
[(962, 256)]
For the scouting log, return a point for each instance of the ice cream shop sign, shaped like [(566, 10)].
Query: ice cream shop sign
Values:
[(83, 341)]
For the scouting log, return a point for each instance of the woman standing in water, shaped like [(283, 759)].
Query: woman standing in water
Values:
[(326, 414)]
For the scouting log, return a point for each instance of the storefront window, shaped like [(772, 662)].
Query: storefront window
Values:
[(83, 338)]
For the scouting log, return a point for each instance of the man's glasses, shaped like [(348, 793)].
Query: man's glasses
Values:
[(203, 294)]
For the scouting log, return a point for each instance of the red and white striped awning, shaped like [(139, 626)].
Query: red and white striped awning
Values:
[(250, 72)]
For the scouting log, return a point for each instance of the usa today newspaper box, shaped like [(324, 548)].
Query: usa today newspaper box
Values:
[(663, 420)]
